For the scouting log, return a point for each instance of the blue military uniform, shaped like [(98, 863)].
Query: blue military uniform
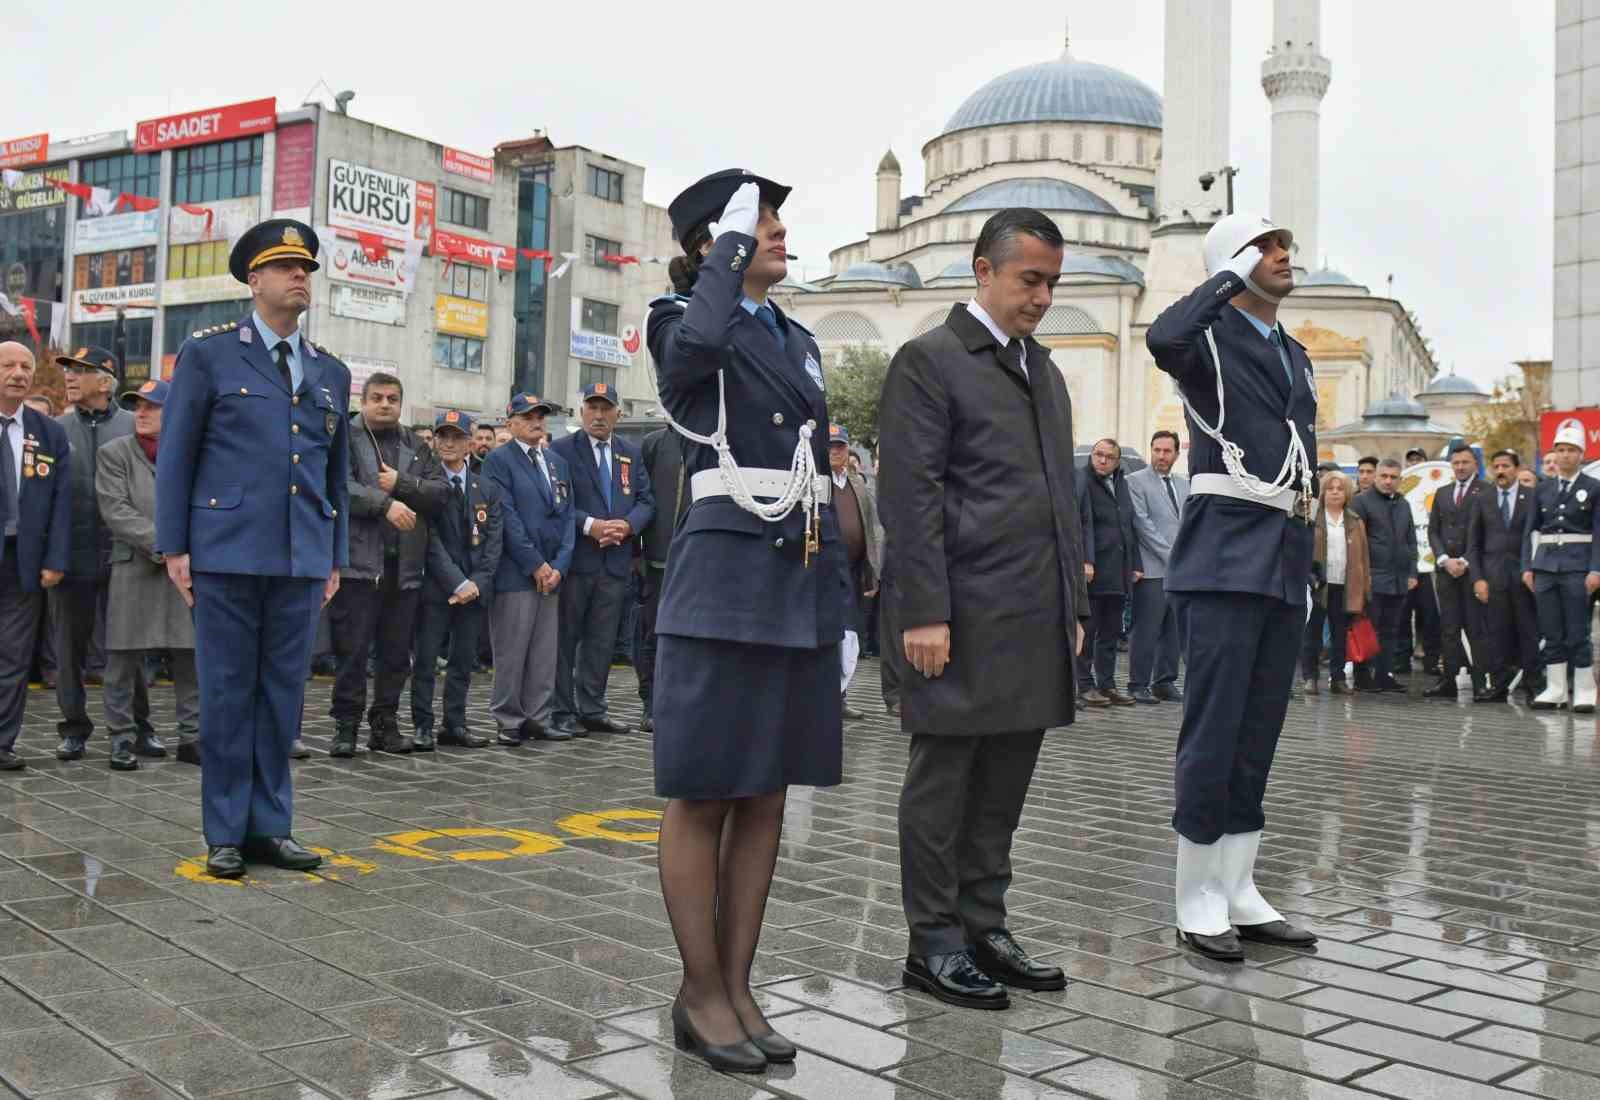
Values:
[(747, 670), (252, 484), (1561, 546)]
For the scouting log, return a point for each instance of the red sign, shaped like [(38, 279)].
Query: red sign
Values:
[(470, 165), (456, 248), (212, 124), (294, 165), (425, 208), (26, 150), (1589, 418)]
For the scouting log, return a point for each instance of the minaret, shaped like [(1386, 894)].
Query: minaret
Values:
[(1295, 77), (888, 192)]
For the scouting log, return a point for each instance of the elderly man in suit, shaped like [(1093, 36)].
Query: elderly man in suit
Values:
[(144, 613), (1494, 553), (1117, 568), (1158, 495), (1460, 612), (986, 577), (612, 503), (36, 518)]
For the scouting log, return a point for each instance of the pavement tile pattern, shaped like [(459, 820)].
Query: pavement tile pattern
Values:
[(490, 925)]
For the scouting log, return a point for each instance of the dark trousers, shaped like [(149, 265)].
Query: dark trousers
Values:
[(441, 624), (644, 636), (1512, 633), (1097, 664), (891, 653), (1153, 650), (959, 807), (364, 615), (1239, 650), (1420, 623), (591, 611), (1459, 613), (1338, 621), (1389, 622), (19, 626), (252, 647), (75, 605), (1564, 618)]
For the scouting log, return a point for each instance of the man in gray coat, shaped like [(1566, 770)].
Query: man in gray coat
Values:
[(144, 611), (77, 601), (1158, 495), (986, 580)]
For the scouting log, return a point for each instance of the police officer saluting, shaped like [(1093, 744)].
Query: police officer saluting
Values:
[(251, 495), (752, 602), (1238, 571), (1561, 567)]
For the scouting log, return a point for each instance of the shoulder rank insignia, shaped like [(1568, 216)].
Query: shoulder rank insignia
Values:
[(247, 334)]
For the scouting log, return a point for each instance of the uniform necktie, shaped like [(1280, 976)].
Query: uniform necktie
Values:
[(1172, 496), (603, 461), (1277, 345), (460, 484), (8, 479), (1505, 505), (768, 318), (282, 352)]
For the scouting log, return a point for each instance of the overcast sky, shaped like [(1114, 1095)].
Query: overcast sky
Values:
[(1437, 132)]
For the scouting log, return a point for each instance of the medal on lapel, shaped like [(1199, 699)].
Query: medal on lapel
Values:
[(625, 471), (28, 451)]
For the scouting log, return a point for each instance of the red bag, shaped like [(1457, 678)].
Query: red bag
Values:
[(1360, 641)]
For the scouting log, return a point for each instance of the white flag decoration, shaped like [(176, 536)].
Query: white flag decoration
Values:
[(11, 178), (7, 306), (101, 201), (566, 262), (410, 261)]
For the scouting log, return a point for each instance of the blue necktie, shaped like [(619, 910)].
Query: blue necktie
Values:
[(768, 318), (603, 461), (1505, 505), (1277, 344)]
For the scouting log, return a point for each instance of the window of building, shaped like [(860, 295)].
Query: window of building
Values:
[(125, 173), (983, 150), (1083, 229), (1111, 147), (221, 170), (1138, 149), (1016, 147), (461, 353), (179, 322), (197, 261), (600, 317), (605, 184), (590, 373), (1044, 145), (528, 309), (1077, 146), (464, 208), (468, 281), (598, 248), (958, 156)]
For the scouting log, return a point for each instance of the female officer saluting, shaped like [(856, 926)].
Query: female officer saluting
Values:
[(747, 669)]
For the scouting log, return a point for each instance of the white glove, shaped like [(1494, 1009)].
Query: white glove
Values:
[(1245, 262), (744, 211)]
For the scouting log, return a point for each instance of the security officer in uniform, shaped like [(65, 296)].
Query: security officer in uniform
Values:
[(251, 514), (1239, 569), (1561, 567)]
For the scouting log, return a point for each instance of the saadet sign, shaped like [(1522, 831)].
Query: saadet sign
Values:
[(369, 201), (455, 247), (211, 124)]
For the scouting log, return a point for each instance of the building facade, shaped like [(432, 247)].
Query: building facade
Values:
[(1575, 374)]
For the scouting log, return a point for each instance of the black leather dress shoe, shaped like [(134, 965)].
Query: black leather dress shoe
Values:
[(511, 739), (955, 979), (422, 739), (281, 851), (71, 748), (847, 712), (1339, 687), (224, 861), (1003, 959), (189, 752), (1167, 693), (1142, 695), (1116, 698), (146, 743), (10, 761), (122, 758), (1442, 688), (1280, 932), (1224, 948), (462, 738), (564, 730), (1093, 697), (1491, 695), (647, 724), (603, 725)]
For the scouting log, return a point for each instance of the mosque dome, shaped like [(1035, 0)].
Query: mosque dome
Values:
[(1063, 90), (1453, 383), (1396, 406), (1037, 194), (1328, 277), (873, 274)]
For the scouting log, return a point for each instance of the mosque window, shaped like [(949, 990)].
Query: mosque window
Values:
[(983, 150), (1138, 150), (1044, 145), (1077, 145), (1083, 229), (1016, 147), (1111, 147), (958, 156)]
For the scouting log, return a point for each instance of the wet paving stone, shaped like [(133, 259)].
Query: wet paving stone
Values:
[(502, 1070)]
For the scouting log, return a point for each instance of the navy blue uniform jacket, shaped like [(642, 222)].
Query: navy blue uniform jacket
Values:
[(251, 479), (1226, 545), (44, 506), (452, 558), (536, 518), (631, 499), (731, 575), (1552, 513)]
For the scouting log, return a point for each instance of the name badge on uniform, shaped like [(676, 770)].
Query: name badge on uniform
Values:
[(625, 474), (1582, 495), (814, 369)]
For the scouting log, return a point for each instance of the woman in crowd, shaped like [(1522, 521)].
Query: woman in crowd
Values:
[(1343, 581)]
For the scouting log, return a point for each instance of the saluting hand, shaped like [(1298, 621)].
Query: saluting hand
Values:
[(742, 213), (928, 648), (400, 516), (388, 477)]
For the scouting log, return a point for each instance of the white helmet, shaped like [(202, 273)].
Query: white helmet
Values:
[(1225, 239), (1570, 431)]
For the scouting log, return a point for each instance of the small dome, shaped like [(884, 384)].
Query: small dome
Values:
[(1453, 383), (1106, 267), (871, 274), (889, 163), (1038, 194), (1396, 406), (956, 274), (1329, 277), (1063, 90)]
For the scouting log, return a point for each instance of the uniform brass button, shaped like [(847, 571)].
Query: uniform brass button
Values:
[(777, 544), (295, 460), (213, 502), (295, 400), (243, 390), (293, 489), (777, 418), (295, 428), (336, 513)]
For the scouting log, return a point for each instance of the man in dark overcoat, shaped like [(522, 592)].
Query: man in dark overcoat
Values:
[(1118, 567), (987, 588)]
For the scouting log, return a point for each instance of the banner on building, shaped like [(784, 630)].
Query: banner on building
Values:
[(124, 267), (32, 190), (223, 220), (425, 212), (457, 248), (201, 288), (363, 303), (113, 231), (211, 124), (1550, 421), (18, 152), (461, 316), (102, 303), (294, 167), (597, 347), (470, 165), (365, 200), (347, 261)]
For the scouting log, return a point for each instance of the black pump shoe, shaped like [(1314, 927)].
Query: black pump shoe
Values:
[(740, 1057), (775, 1047)]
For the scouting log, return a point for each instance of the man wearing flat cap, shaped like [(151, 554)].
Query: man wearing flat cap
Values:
[(251, 516), (78, 603)]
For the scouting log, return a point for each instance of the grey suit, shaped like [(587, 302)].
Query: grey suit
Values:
[(1153, 649)]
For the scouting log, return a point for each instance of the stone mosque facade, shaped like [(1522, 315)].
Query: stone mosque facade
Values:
[(1085, 143)]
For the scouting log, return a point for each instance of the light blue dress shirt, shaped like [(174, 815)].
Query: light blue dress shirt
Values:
[(1273, 337), (270, 340)]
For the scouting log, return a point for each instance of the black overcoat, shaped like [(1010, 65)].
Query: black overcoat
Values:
[(980, 519)]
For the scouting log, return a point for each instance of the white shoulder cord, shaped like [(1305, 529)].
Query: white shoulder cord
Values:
[(1233, 454)]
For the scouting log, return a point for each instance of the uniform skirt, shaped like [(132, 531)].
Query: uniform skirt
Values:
[(734, 720)]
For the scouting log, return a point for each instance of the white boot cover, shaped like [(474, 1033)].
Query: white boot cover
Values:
[(1555, 688), (1201, 902), (1245, 903), (1583, 690)]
